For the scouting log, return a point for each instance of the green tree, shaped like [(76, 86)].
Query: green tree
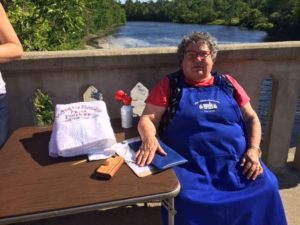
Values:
[(47, 24), (44, 25), (286, 20), (104, 14), (255, 19)]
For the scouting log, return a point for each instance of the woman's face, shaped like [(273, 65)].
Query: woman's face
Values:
[(197, 62)]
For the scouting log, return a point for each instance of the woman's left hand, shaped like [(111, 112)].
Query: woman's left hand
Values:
[(145, 154), (251, 164)]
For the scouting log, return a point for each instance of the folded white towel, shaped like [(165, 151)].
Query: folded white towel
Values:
[(81, 128)]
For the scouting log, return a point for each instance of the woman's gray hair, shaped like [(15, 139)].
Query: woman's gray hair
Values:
[(194, 38)]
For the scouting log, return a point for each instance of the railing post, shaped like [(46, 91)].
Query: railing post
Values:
[(280, 122)]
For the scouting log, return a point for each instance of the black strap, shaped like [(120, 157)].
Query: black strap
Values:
[(174, 99)]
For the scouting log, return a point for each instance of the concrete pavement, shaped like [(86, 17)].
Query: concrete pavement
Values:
[(289, 187)]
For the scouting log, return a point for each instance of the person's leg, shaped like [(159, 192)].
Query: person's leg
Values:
[(3, 119)]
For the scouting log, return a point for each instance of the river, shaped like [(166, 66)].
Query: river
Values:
[(160, 34)]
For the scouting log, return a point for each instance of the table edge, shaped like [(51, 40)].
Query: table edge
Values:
[(86, 208)]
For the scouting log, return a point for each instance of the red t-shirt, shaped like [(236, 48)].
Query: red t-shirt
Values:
[(159, 95)]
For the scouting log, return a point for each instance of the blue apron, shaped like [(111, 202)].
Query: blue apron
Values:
[(208, 129)]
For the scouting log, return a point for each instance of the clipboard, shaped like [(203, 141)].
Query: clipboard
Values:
[(128, 148), (162, 162)]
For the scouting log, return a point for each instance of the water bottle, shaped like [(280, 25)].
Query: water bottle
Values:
[(126, 116)]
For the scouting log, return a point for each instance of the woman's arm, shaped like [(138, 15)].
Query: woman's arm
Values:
[(250, 161), (253, 125), (147, 128), (10, 45)]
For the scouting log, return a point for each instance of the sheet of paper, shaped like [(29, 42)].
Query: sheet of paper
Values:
[(104, 155), (122, 149)]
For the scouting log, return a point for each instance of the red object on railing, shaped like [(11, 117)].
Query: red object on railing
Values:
[(122, 96)]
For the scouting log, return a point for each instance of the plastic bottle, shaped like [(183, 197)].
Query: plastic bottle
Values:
[(126, 116), (126, 109)]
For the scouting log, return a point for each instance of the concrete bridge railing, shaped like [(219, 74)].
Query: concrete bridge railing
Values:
[(66, 74)]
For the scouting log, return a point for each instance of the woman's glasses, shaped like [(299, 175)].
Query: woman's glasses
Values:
[(194, 55)]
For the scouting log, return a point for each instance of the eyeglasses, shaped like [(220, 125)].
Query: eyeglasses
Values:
[(194, 55)]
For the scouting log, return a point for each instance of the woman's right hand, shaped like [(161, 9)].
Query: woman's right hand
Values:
[(146, 153)]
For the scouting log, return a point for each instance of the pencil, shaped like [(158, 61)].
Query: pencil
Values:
[(79, 162)]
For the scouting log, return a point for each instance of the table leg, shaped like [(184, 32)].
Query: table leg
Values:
[(169, 205)]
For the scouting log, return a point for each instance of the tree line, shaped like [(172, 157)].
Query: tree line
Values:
[(281, 19), (44, 25)]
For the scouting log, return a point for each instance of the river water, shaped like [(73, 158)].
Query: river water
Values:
[(159, 34)]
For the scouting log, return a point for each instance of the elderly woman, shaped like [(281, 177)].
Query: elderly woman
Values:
[(207, 117)]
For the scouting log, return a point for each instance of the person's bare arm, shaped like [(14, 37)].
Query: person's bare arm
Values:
[(10, 46), (147, 128), (250, 161)]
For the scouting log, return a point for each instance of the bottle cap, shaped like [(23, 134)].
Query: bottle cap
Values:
[(127, 100)]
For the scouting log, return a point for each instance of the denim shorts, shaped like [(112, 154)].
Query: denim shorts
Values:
[(3, 118)]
